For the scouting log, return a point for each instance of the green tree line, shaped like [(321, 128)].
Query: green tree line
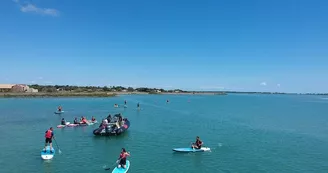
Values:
[(70, 88)]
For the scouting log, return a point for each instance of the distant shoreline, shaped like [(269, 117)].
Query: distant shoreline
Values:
[(57, 94), (94, 94), (118, 93)]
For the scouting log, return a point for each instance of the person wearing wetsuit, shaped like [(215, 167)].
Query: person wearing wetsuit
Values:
[(122, 158), (198, 144), (63, 122), (49, 136), (76, 121)]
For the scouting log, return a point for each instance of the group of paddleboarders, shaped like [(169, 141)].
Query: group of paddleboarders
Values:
[(83, 120), (107, 122)]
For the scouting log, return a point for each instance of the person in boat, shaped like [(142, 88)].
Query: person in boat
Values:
[(118, 124), (120, 121), (198, 144), (103, 123), (63, 122), (60, 108), (76, 121), (109, 118), (93, 119), (122, 159), (49, 136)]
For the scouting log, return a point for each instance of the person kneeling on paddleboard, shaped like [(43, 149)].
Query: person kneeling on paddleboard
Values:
[(84, 121), (122, 158), (63, 122), (93, 119), (198, 144), (59, 108), (49, 135), (76, 121)]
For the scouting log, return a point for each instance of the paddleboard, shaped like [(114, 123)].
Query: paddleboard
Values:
[(61, 126), (122, 170), (87, 124), (47, 155), (125, 106), (94, 122), (72, 125), (191, 150), (59, 112)]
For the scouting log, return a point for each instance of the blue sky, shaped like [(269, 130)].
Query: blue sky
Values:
[(244, 45)]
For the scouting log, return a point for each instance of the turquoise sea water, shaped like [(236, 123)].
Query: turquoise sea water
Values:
[(247, 133)]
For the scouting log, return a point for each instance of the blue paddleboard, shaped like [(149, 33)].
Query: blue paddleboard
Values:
[(122, 170), (47, 155), (186, 150), (59, 112)]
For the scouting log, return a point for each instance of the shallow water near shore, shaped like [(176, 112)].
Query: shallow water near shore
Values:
[(247, 133)]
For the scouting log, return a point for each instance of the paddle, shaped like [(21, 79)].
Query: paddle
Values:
[(117, 161), (57, 146)]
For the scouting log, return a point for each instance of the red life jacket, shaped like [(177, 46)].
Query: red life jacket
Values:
[(122, 155), (48, 134)]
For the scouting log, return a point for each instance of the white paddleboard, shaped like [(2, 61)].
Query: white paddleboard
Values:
[(47, 155), (122, 170), (189, 149)]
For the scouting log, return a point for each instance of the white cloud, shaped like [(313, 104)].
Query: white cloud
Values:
[(45, 11), (263, 83), (40, 78), (278, 85), (30, 8)]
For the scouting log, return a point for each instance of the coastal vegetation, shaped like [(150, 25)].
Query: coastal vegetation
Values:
[(59, 94), (94, 91), (79, 89), (111, 91)]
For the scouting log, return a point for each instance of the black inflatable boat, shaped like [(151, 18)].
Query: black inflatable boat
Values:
[(111, 128)]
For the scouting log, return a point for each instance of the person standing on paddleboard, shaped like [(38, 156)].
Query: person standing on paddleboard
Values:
[(49, 135), (198, 144), (122, 159), (124, 102), (138, 106)]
